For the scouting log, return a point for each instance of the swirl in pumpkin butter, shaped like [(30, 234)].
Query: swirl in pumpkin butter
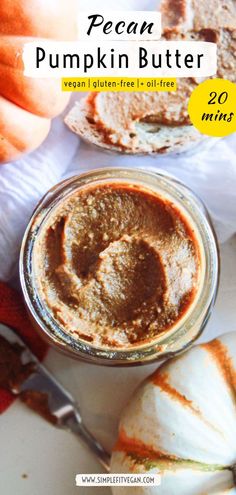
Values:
[(117, 265)]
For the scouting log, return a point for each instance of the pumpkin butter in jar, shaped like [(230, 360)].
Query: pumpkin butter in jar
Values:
[(118, 266)]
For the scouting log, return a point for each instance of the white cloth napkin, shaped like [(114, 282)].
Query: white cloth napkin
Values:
[(211, 173), (23, 183)]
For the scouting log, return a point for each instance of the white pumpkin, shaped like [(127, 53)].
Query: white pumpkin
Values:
[(182, 423)]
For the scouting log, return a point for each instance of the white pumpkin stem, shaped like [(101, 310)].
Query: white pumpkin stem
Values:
[(234, 473)]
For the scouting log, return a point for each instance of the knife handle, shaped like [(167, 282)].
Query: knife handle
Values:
[(74, 423)]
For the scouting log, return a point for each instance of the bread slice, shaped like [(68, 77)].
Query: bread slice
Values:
[(227, 54), (158, 122), (143, 123), (146, 137), (184, 15), (226, 47)]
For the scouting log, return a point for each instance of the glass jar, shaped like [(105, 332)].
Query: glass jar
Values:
[(187, 329)]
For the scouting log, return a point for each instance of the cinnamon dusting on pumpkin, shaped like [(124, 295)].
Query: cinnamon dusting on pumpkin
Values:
[(161, 380), (220, 355), (133, 446), (146, 456)]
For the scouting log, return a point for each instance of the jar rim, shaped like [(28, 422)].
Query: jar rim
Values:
[(168, 344)]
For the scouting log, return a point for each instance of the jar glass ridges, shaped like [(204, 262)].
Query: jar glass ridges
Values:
[(167, 344)]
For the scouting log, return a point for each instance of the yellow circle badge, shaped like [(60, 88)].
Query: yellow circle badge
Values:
[(212, 107)]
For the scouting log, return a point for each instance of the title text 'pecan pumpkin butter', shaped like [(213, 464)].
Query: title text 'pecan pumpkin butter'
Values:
[(116, 262), (158, 122)]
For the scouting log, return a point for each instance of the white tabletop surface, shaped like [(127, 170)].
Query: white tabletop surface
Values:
[(49, 457), (35, 457)]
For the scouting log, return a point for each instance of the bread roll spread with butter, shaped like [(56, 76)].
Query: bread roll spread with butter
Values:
[(158, 122)]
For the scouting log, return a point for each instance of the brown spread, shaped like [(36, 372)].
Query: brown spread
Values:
[(116, 264), (12, 371), (198, 14), (158, 121), (12, 375), (122, 120), (117, 117), (39, 403)]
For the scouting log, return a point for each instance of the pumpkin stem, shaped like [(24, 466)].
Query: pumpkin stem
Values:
[(234, 473)]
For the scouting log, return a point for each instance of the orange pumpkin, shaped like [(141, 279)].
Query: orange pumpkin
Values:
[(27, 105)]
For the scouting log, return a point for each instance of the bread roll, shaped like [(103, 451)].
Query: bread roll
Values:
[(158, 122)]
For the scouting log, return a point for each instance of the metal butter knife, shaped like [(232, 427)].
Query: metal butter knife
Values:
[(61, 403)]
